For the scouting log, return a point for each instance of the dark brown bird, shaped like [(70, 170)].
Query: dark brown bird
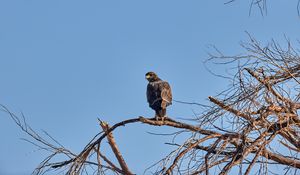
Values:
[(159, 95)]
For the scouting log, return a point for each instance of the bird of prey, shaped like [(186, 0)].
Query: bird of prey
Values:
[(159, 95)]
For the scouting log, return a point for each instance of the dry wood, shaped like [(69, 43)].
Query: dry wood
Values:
[(115, 148)]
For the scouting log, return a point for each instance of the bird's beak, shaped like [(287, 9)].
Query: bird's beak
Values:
[(147, 76)]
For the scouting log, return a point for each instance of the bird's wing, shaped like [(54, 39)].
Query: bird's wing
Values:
[(166, 93)]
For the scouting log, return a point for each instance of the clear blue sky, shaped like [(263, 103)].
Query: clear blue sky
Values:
[(66, 63)]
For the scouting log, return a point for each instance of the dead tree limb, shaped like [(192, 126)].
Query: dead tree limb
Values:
[(115, 148)]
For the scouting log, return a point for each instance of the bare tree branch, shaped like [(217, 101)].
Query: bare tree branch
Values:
[(115, 148)]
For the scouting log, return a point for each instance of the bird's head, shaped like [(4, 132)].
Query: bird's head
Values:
[(151, 76)]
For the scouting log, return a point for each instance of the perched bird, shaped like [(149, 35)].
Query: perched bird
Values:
[(159, 95)]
